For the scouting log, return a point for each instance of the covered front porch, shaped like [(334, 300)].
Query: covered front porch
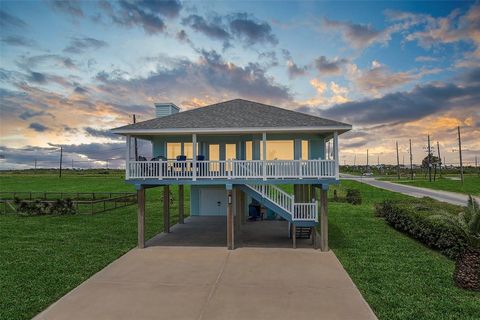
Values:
[(257, 156)]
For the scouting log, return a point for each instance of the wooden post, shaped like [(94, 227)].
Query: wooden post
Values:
[(324, 219), (238, 208), (294, 236), (166, 209), (181, 204), (244, 212), (141, 217), (230, 218)]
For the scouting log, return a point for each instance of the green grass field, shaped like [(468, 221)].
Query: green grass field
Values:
[(399, 277), (470, 186), (42, 258)]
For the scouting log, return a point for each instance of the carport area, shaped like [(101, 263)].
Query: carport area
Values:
[(189, 274), (211, 231)]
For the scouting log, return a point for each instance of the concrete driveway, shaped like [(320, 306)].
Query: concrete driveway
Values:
[(208, 282)]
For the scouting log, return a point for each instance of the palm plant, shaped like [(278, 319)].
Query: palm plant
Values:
[(467, 267)]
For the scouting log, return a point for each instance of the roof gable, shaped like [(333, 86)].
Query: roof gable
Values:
[(235, 114)]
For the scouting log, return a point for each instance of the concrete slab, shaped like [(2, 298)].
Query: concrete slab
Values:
[(189, 274), (211, 231)]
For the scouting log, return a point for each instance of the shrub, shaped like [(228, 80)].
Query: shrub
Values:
[(41, 208), (414, 218), (354, 196)]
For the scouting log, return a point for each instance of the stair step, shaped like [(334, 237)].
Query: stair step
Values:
[(303, 232)]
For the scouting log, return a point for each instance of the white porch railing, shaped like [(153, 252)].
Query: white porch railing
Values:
[(305, 211), (276, 195), (232, 169)]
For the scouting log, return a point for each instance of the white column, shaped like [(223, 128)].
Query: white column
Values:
[(194, 160), (264, 146), (337, 160), (127, 156)]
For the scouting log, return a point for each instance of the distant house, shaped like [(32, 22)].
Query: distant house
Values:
[(235, 151)]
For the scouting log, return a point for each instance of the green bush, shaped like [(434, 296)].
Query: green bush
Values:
[(354, 196), (41, 208), (414, 218)]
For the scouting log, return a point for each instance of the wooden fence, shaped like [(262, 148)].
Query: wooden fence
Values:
[(84, 202)]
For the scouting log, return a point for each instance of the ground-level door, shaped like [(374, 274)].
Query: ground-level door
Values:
[(212, 202)]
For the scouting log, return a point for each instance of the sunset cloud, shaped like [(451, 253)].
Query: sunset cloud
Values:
[(72, 70)]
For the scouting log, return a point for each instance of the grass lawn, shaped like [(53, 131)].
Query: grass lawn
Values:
[(398, 276), (471, 184), (42, 258)]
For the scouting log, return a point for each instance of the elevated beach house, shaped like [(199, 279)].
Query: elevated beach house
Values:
[(234, 153)]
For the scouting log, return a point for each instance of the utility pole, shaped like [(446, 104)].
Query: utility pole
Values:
[(106, 164), (378, 160), (72, 164), (439, 159), (61, 159), (476, 166), (354, 160), (398, 162), (135, 140), (411, 160), (460, 153), (429, 161), (367, 159)]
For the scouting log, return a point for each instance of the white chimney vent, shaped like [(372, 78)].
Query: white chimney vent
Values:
[(165, 109)]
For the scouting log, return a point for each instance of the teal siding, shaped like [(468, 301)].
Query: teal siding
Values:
[(317, 149)]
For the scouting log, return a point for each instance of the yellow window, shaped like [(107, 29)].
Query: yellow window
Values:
[(188, 149), (174, 150), (248, 149), (280, 150), (214, 152), (230, 151), (304, 149)]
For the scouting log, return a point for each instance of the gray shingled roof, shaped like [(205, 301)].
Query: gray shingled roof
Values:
[(236, 113)]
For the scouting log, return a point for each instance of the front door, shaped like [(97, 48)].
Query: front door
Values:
[(213, 202)]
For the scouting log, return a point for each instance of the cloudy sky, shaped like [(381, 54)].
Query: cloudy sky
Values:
[(71, 70)]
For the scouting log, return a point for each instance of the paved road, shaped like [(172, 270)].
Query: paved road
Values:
[(445, 196)]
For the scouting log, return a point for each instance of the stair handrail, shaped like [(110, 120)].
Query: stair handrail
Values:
[(276, 195)]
